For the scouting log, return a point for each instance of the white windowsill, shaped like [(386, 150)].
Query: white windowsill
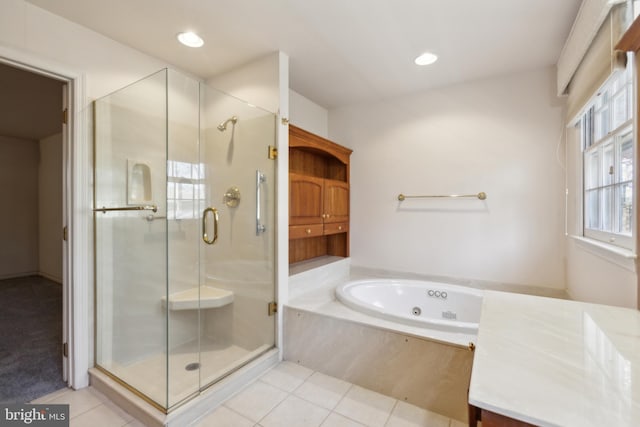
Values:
[(623, 257)]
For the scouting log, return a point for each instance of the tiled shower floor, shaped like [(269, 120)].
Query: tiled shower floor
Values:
[(215, 360), (288, 395)]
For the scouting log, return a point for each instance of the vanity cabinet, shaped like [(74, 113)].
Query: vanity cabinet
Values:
[(318, 196), (491, 419)]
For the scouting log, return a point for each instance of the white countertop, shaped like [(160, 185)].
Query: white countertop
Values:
[(553, 362)]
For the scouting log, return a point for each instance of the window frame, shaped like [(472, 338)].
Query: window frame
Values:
[(594, 140)]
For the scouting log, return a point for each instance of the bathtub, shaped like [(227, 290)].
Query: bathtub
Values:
[(413, 302)]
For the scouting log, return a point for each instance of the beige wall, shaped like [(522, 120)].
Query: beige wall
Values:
[(308, 115), (19, 213), (31, 221), (596, 278), (50, 207), (256, 82), (498, 135)]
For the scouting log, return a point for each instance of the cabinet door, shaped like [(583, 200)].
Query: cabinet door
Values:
[(336, 201), (305, 199)]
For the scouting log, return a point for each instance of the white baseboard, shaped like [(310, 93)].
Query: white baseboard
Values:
[(31, 273), (18, 275), (50, 277)]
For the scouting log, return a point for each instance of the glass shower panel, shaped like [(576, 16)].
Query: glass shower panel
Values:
[(185, 195), (184, 236), (237, 271), (130, 233)]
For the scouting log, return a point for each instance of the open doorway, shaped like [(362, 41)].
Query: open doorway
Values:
[(31, 233)]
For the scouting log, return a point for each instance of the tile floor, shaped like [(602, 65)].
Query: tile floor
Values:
[(89, 407), (289, 395)]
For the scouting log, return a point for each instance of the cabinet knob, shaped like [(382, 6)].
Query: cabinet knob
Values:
[(327, 216), (308, 230), (339, 227)]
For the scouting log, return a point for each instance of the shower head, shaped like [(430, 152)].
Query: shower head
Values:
[(223, 126)]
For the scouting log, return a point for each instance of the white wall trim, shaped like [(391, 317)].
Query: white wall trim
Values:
[(78, 203), (621, 257), (282, 208)]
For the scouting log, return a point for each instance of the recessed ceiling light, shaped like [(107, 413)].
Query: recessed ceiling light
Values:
[(426, 58), (190, 39)]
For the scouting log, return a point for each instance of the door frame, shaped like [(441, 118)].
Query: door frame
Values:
[(77, 253)]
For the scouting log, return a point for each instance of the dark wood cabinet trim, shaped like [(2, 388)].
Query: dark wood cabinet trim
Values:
[(630, 40), (301, 138)]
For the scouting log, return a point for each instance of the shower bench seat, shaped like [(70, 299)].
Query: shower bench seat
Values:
[(198, 297)]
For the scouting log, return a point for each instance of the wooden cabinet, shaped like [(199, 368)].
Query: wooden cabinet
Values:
[(492, 419), (318, 196), (315, 200), (306, 199), (336, 201)]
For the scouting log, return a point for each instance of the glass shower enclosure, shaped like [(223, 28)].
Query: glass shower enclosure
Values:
[(184, 220)]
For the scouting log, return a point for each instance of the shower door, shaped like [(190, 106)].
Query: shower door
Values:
[(221, 235), (239, 261), (184, 236)]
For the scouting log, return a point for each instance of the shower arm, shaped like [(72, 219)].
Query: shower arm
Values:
[(223, 126)]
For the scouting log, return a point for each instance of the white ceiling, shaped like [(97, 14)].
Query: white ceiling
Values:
[(341, 51), (30, 104)]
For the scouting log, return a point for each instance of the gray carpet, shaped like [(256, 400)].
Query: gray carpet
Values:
[(30, 338)]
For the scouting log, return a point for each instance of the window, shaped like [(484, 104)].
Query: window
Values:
[(185, 189), (606, 130)]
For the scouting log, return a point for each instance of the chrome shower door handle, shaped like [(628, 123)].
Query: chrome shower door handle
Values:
[(205, 235), (260, 178)]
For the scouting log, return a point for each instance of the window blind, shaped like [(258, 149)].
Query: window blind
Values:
[(582, 71)]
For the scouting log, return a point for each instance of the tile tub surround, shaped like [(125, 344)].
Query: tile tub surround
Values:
[(422, 372), (553, 362)]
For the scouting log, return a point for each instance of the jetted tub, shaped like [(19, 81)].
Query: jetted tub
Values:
[(413, 302)]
